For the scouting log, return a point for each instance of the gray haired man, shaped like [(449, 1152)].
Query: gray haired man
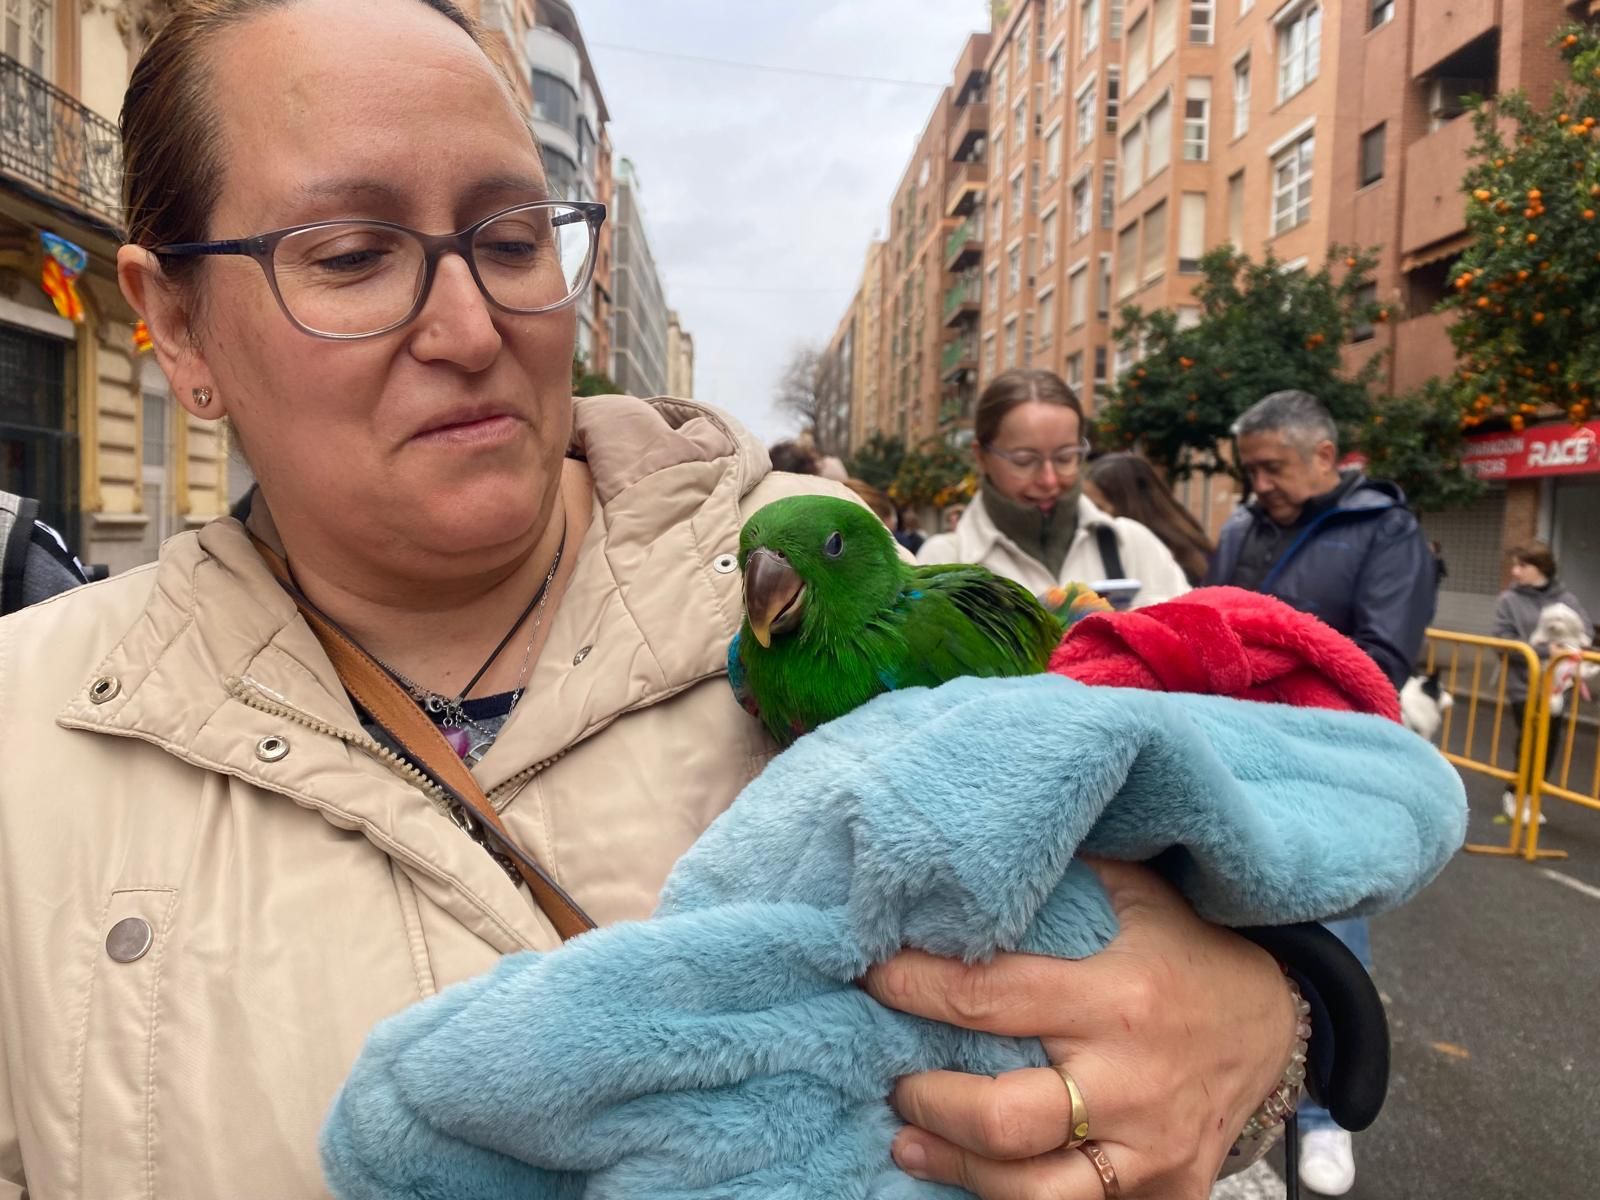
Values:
[(1346, 549)]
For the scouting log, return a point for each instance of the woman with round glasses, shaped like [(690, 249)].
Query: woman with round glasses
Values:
[(226, 851), (1030, 520)]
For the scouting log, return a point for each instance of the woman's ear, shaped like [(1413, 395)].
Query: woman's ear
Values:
[(169, 318)]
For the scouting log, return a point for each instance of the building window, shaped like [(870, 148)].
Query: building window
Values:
[(1241, 96), (1027, 339), (988, 356), (28, 26), (1016, 195), (1080, 207), (1113, 97), (1191, 231), (1000, 88), (1299, 50), (1024, 37), (1197, 120), (1078, 297), (1014, 271), (1382, 13), (1163, 31), (1011, 343), (38, 450), (1159, 136), (1090, 24), (1245, 6), (1047, 319), (1372, 145), (1363, 331), (1108, 194), (1154, 258), (1052, 153), (1127, 261), (996, 219), (1033, 188), (1058, 71), (1291, 185), (1138, 53), (1102, 289), (1047, 237), (1188, 316), (1236, 210), (991, 287), (1074, 371), (1099, 364), (1132, 160), (1202, 21), (1019, 118), (1087, 99), (1114, 19)]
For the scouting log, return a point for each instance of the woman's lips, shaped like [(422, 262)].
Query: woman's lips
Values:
[(489, 429)]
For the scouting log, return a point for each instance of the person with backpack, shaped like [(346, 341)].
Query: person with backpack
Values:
[(35, 563), (1030, 520)]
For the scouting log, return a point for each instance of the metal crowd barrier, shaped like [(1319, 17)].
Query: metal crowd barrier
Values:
[(1484, 737), (1577, 699)]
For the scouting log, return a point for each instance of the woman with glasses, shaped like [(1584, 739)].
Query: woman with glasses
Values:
[(456, 686), (1030, 520)]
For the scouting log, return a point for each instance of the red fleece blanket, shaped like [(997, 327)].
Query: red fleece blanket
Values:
[(1225, 641)]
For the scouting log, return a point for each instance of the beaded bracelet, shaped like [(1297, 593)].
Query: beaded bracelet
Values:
[(1261, 1130)]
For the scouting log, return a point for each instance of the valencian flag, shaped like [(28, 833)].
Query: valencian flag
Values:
[(141, 337), (63, 263)]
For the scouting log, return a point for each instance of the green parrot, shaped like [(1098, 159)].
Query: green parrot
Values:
[(834, 616)]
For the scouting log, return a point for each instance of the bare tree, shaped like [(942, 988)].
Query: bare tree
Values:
[(799, 395)]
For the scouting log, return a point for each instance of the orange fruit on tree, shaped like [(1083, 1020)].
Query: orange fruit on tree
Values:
[(1570, 40), (1563, 119), (1483, 194), (1538, 318), (1588, 214), (1516, 424), (1535, 194), (1532, 238), (1522, 276)]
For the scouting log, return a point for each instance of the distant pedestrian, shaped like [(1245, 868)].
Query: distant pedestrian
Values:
[(1535, 589), (952, 517), (1030, 520), (1346, 549), (1126, 485), (1439, 567), (792, 458), (909, 533)]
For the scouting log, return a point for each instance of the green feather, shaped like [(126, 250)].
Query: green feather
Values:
[(873, 623)]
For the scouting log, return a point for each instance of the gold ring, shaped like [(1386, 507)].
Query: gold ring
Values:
[(1102, 1164), (1078, 1128)]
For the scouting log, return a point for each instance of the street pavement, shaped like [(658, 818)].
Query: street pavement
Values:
[(1492, 981)]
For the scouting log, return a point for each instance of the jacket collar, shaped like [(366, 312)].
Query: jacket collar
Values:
[(977, 534)]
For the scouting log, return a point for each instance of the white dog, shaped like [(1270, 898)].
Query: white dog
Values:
[(1560, 628)]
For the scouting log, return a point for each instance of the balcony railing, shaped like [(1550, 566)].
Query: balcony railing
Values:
[(967, 231), (962, 350), (968, 291), (51, 140)]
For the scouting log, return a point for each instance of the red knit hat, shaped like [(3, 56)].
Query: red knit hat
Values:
[(1225, 641)]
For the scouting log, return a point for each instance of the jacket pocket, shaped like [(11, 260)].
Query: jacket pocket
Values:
[(119, 1036)]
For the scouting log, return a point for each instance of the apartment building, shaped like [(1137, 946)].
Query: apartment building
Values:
[(87, 423), (639, 307), (867, 341), (680, 358), (569, 119), (1125, 138)]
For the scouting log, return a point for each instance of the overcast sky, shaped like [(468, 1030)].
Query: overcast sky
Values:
[(762, 188)]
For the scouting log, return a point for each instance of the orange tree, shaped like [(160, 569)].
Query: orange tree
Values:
[(1527, 291), (933, 473), (1262, 329)]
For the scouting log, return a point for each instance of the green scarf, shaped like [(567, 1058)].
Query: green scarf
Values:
[(1044, 536)]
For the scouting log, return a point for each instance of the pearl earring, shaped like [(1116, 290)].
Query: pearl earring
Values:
[(202, 396)]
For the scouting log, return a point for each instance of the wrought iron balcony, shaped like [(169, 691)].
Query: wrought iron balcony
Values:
[(50, 140)]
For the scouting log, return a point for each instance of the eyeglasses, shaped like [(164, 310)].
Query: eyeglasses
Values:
[(1029, 461), (357, 279)]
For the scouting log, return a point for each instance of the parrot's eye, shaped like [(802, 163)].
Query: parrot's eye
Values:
[(834, 546)]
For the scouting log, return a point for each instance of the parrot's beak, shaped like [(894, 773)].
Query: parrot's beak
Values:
[(774, 596)]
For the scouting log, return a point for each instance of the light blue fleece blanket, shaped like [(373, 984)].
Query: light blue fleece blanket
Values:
[(720, 1049)]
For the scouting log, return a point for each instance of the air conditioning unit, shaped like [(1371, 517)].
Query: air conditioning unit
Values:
[(1447, 98)]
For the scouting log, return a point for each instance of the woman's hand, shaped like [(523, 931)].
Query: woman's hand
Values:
[(1174, 1033)]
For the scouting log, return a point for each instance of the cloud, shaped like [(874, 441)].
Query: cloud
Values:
[(762, 189)]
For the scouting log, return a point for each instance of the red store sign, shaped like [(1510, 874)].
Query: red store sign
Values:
[(1562, 449)]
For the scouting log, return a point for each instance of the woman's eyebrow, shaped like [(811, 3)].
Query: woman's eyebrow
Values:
[(382, 193)]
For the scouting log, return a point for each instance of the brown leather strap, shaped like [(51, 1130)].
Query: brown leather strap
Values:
[(392, 707)]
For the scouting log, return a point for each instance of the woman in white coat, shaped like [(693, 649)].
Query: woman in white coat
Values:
[(1030, 520)]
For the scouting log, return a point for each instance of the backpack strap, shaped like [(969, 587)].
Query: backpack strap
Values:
[(17, 515), (1110, 551)]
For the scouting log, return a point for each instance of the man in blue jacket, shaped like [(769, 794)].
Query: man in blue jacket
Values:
[(1347, 550), (1334, 544)]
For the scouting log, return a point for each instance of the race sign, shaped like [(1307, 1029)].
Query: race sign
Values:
[(1561, 449)]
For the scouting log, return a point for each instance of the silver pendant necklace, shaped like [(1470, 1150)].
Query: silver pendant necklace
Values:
[(450, 711)]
